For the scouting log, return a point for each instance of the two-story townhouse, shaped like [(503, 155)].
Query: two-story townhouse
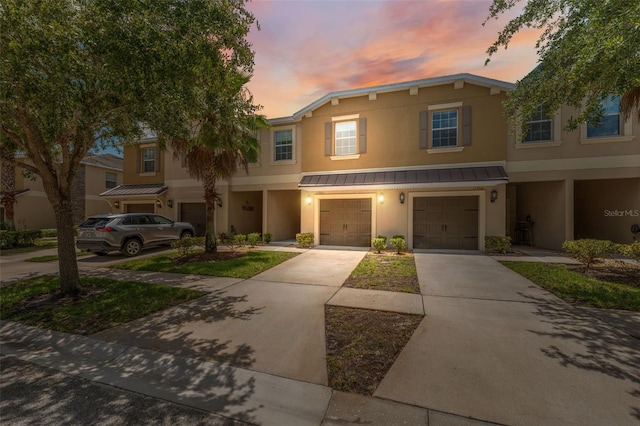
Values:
[(578, 184), (96, 173), (424, 159), (266, 199)]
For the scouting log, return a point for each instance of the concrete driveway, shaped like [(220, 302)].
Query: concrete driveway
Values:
[(495, 347)]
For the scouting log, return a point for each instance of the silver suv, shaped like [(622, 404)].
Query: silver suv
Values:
[(129, 232)]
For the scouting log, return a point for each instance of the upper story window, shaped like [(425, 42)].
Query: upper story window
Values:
[(283, 145), (539, 127), (444, 128), (610, 123), (345, 137), (148, 160), (111, 180)]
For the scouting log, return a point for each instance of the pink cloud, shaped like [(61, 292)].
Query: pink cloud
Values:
[(307, 49)]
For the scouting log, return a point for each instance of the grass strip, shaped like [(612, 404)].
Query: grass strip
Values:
[(52, 257), (106, 303), (252, 263), (576, 288), (385, 272), (40, 244)]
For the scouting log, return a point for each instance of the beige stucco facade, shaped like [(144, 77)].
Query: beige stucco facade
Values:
[(310, 176)]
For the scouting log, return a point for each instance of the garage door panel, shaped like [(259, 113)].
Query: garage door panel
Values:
[(345, 222), (196, 215), (445, 222)]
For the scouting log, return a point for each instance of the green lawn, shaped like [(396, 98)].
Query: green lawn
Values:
[(576, 288), (40, 244), (389, 272), (247, 266), (110, 304)]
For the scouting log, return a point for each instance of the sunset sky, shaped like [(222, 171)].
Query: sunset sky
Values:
[(306, 49)]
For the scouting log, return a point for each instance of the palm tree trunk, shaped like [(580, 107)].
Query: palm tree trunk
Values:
[(210, 196)]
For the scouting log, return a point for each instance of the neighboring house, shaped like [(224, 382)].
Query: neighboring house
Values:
[(431, 159), (96, 173), (571, 185)]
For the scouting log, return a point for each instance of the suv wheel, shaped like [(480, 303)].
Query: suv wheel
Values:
[(132, 247)]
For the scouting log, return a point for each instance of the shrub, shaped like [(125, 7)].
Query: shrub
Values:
[(187, 245), (26, 237), (3, 226), (379, 243), (632, 251), (267, 237), (7, 239), (587, 251), (398, 243), (497, 244), (253, 239), (383, 237), (399, 236), (239, 239), (305, 239), (49, 233)]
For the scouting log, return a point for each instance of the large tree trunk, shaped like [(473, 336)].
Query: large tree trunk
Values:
[(8, 188), (67, 262), (210, 196)]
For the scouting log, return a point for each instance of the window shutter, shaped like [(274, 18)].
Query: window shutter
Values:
[(363, 135), (328, 137), (156, 160), (424, 129), (466, 125), (138, 160)]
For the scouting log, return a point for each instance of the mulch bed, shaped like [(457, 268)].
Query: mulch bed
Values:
[(362, 345), (611, 270)]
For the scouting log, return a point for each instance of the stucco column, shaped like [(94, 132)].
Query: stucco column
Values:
[(568, 209), (265, 211)]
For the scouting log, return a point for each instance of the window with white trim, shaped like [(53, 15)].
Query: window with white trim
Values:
[(111, 180), (539, 127), (346, 138), (148, 160), (610, 123), (283, 145), (444, 128)]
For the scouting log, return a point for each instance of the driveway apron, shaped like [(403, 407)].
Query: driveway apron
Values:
[(495, 347), (269, 323)]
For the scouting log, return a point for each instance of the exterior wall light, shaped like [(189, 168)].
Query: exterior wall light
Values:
[(170, 203), (494, 196), (158, 203), (308, 201), (116, 204), (381, 199), (402, 198), (219, 201)]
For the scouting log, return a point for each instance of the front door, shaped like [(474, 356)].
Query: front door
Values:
[(345, 222)]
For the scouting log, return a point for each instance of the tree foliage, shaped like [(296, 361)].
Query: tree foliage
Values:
[(76, 74), (588, 50)]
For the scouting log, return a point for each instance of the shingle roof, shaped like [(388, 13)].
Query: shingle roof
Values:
[(129, 190), (104, 160), (408, 177)]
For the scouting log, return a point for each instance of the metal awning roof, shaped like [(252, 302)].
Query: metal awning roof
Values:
[(471, 175), (150, 189)]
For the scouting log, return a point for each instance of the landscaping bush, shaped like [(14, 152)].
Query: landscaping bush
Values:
[(497, 244), (7, 239), (49, 233), (379, 243), (239, 239), (398, 243), (383, 237), (187, 245), (267, 237), (632, 251), (26, 237), (399, 236), (253, 239), (305, 239), (587, 251)]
